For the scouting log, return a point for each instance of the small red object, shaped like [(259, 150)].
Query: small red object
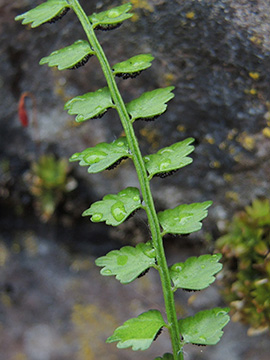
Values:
[(22, 111)]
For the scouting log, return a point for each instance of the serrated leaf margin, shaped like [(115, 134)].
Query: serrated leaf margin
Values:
[(115, 199), (94, 97), (103, 21), (189, 327), (33, 17), (164, 164), (113, 259), (100, 148), (54, 59), (169, 213), (176, 272), (145, 101), (138, 343)]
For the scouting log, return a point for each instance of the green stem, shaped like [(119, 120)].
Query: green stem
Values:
[(143, 180)]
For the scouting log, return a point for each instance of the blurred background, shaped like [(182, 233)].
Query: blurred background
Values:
[(54, 304)]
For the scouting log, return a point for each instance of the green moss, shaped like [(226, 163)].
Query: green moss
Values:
[(246, 249), (48, 180)]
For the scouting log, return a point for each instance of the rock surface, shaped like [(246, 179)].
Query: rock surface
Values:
[(216, 53)]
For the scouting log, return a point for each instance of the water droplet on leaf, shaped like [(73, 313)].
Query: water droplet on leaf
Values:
[(98, 109), (80, 118), (106, 272), (96, 217), (166, 150), (113, 13), (74, 156), (182, 219), (95, 157), (122, 260), (150, 253), (214, 258), (118, 211), (165, 164), (222, 312), (202, 339)]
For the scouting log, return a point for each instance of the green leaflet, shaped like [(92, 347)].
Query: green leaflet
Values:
[(49, 11), (166, 356), (90, 105), (69, 57), (107, 20), (204, 328), (133, 66), (184, 219), (114, 209), (128, 262), (196, 273), (138, 332), (171, 158), (150, 104), (103, 156)]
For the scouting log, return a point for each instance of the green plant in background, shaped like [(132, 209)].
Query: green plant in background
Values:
[(47, 178), (48, 181), (205, 327), (246, 255)]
